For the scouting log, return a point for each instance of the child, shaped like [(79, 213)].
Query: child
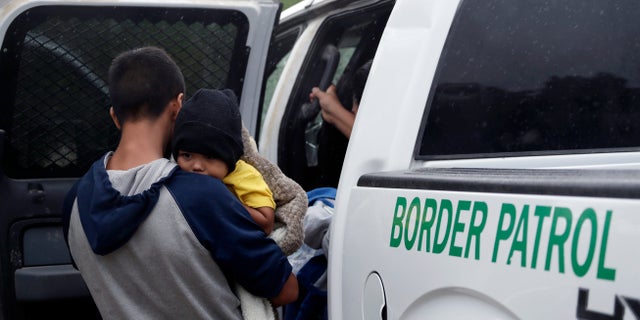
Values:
[(208, 140)]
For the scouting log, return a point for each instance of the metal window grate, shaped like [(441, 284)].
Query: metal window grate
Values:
[(58, 122)]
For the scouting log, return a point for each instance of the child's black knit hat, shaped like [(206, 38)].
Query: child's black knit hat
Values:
[(209, 123)]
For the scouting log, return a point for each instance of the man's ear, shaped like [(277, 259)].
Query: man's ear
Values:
[(114, 118), (176, 106)]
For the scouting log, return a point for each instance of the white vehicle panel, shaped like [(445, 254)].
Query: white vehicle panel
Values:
[(525, 263), (386, 130)]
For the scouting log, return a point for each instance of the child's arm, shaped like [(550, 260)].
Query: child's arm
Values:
[(263, 216)]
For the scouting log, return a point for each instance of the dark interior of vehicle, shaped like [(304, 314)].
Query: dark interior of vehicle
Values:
[(311, 151)]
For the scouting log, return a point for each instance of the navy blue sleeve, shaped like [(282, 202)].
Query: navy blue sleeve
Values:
[(225, 228), (67, 206)]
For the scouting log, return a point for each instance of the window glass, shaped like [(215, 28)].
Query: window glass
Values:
[(279, 53), (536, 76), (54, 70), (270, 86), (345, 56)]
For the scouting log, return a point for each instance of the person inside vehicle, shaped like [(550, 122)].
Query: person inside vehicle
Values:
[(151, 240), (333, 111), (339, 105)]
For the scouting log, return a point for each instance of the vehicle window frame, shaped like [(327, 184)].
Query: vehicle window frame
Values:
[(279, 51)]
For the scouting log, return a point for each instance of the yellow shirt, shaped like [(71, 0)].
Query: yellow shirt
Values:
[(246, 183)]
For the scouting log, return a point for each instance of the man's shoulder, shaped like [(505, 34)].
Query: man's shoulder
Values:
[(194, 184), (201, 199)]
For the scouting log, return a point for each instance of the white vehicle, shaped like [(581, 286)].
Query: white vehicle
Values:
[(493, 169), (492, 172)]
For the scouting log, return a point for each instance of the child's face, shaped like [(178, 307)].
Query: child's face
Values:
[(199, 163)]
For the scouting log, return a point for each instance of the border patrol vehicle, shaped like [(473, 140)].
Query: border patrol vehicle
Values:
[(492, 171)]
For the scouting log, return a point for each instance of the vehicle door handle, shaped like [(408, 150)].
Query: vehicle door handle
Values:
[(374, 301), (36, 191)]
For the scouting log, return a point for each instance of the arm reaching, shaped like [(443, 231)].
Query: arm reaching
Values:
[(333, 111)]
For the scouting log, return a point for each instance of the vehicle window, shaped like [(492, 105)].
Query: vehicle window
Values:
[(311, 151), (316, 129), (54, 65), (536, 77), (278, 56), (270, 86)]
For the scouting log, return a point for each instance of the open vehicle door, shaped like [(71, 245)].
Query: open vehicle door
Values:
[(54, 119), (316, 44)]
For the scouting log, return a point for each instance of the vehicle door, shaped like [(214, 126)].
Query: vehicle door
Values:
[(333, 39), (494, 172), (54, 119)]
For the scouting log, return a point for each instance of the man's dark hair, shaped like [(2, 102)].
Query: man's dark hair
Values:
[(142, 82)]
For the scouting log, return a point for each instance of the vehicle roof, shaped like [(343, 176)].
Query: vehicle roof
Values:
[(4, 3), (308, 5)]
